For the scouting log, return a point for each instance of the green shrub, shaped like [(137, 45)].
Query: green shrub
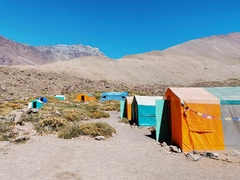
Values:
[(69, 131), (96, 129)]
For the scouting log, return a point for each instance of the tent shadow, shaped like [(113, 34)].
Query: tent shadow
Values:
[(151, 135)]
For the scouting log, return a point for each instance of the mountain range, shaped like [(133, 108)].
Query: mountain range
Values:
[(208, 61), (13, 53)]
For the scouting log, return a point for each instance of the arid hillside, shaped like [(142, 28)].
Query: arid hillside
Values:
[(211, 61)]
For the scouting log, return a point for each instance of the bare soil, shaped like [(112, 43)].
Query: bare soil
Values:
[(130, 154)]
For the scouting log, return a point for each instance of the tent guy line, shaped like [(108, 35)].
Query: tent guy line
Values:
[(209, 116)]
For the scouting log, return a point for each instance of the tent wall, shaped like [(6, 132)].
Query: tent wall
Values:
[(231, 128), (162, 125), (128, 105), (122, 109), (146, 115), (118, 96), (230, 109), (203, 133), (37, 104)]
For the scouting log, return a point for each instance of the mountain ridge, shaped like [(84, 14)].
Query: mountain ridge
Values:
[(211, 61), (14, 53)]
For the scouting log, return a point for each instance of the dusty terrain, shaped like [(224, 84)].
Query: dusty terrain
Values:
[(131, 154)]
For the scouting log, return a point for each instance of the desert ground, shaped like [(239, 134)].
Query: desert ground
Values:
[(130, 154)]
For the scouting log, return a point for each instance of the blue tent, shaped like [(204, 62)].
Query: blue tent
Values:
[(118, 96), (43, 99), (144, 110), (37, 104)]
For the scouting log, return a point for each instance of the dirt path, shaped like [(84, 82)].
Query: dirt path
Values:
[(130, 154)]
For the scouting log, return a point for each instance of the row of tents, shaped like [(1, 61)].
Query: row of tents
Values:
[(192, 118), (105, 96), (40, 101)]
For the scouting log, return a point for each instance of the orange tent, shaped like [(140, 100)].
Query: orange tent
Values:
[(86, 98), (129, 100), (189, 130)]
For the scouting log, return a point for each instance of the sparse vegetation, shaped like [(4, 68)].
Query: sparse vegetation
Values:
[(110, 106), (70, 130), (51, 124), (124, 120), (6, 130), (96, 129)]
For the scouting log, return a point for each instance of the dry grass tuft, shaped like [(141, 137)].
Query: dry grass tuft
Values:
[(110, 106), (96, 129), (124, 120), (70, 130)]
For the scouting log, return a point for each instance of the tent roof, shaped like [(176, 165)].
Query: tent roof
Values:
[(147, 100), (59, 96), (129, 99), (225, 93), (115, 93), (36, 100), (195, 95)]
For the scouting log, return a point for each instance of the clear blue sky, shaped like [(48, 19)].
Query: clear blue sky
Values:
[(117, 28)]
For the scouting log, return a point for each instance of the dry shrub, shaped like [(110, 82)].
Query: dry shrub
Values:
[(30, 117), (92, 106), (96, 129), (5, 111), (5, 130), (70, 130), (124, 120), (15, 105), (99, 114), (92, 111), (73, 115), (50, 124)]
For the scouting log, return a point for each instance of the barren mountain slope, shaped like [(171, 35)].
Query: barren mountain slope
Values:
[(194, 63)]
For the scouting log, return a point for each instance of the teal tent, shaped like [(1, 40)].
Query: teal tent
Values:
[(60, 97), (122, 108), (162, 125), (37, 104), (144, 110)]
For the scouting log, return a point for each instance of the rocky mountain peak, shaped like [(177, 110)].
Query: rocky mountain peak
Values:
[(13, 53)]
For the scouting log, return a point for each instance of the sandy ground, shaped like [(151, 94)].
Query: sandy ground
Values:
[(131, 154)]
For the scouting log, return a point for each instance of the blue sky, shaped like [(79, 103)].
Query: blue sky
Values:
[(117, 28)]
